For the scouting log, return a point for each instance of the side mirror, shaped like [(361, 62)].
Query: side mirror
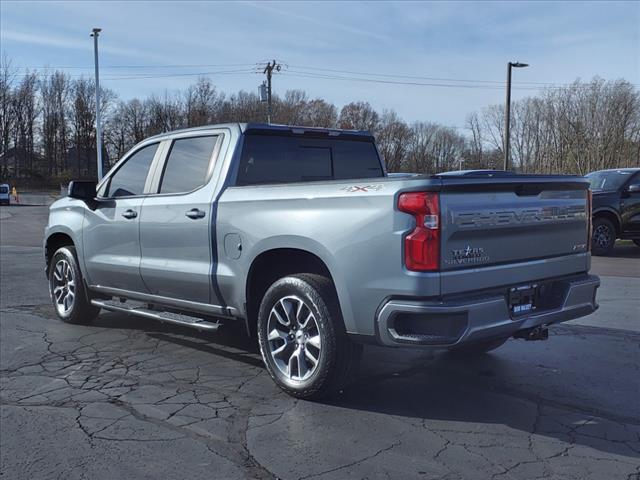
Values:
[(82, 190), (633, 188)]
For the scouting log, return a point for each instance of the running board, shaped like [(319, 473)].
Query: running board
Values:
[(142, 311)]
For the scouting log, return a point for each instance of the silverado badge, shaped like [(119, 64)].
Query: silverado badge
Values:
[(464, 256)]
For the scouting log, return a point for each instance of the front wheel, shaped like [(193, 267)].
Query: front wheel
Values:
[(302, 337), (637, 242), (67, 289), (604, 236)]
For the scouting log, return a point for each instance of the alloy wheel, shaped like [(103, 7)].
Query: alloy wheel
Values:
[(294, 338), (602, 236), (63, 288)]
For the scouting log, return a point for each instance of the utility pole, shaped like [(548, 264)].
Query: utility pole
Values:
[(269, 70), (96, 32), (507, 114)]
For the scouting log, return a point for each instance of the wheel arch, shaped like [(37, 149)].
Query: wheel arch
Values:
[(610, 215), (53, 242), (275, 263)]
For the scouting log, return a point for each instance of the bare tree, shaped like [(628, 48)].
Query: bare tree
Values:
[(25, 111), (318, 113), (55, 91), (7, 114), (203, 104), (476, 142), (573, 129), (47, 126), (394, 137), (359, 116)]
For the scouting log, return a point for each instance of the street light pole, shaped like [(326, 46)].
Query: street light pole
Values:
[(96, 32), (507, 114)]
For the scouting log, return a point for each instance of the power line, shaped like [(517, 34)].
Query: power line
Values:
[(169, 75), (498, 83), (142, 76), (314, 73), (199, 65), (416, 77), (305, 74)]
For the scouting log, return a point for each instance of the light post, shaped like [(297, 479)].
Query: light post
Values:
[(507, 113), (96, 32)]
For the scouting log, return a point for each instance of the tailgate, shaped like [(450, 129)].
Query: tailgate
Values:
[(504, 222)]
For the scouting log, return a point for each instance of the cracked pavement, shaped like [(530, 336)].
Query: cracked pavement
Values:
[(130, 398)]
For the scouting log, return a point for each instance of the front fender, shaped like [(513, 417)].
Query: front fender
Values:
[(66, 216)]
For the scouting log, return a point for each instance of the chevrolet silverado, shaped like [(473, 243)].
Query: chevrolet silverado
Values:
[(301, 236)]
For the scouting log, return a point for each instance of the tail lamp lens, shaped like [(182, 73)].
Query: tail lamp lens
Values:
[(422, 245)]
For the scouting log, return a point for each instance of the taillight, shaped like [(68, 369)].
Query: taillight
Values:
[(422, 245), (589, 219)]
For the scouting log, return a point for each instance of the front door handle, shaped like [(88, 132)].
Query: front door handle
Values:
[(195, 213), (129, 214)]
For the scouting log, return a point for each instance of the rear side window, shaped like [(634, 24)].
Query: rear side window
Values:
[(130, 178), (187, 164), (286, 159)]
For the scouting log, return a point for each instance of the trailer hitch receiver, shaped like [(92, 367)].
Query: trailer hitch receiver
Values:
[(531, 334)]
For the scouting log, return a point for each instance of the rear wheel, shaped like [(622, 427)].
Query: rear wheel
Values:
[(477, 348), (302, 337), (67, 289), (604, 236)]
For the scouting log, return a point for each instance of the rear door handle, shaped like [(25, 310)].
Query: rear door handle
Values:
[(129, 214), (195, 213)]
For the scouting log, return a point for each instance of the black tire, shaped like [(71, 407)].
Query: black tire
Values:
[(637, 242), (337, 356), (479, 348), (80, 310), (604, 236)]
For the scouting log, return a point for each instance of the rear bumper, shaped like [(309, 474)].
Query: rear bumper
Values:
[(474, 318)]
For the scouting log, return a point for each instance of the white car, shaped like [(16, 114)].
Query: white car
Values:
[(5, 197)]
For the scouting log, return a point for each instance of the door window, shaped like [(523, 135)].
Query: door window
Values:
[(634, 183), (187, 165), (131, 176)]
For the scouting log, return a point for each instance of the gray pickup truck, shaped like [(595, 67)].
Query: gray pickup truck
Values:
[(299, 235)]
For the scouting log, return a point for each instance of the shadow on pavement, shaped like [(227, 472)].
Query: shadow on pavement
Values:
[(625, 250), (434, 387), (442, 389)]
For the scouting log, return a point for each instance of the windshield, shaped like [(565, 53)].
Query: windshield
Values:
[(609, 179), (4, 189)]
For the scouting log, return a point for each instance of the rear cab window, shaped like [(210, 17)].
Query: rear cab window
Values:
[(291, 158)]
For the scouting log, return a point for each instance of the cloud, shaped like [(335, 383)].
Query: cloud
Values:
[(73, 43), (371, 33)]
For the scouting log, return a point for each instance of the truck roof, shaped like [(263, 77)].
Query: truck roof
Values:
[(269, 127), (624, 169)]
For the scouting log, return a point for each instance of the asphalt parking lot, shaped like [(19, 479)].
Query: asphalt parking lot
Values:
[(129, 398)]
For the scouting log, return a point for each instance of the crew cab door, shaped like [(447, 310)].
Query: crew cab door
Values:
[(111, 233), (176, 222)]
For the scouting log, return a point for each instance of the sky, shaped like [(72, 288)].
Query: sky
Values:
[(430, 61)]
